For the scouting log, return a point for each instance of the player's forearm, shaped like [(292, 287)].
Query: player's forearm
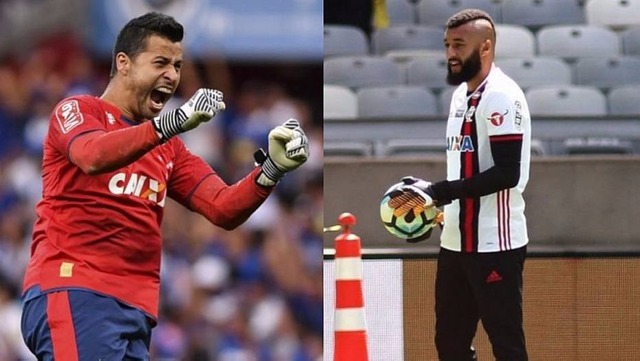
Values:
[(228, 206), (504, 174), (100, 152), (488, 182)]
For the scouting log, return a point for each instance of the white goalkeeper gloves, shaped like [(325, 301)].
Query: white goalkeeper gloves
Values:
[(202, 106), (288, 149)]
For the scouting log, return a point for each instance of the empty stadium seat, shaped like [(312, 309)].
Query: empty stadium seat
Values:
[(566, 101), (514, 41), (341, 40), (414, 147), (631, 41), (444, 99), (350, 148), (436, 12), (398, 101), (407, 37), (430, 72), (597, 145), (339, 103), (537, 13), (616, 14), (401, 12), (361, 71), (536, 71), (403, 56), (571, 42), (624, 100), (608, 72)]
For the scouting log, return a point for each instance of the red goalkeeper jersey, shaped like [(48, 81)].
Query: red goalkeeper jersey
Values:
[(102, 232)]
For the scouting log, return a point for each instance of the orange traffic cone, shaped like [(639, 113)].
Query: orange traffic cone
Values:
[(350, 323)]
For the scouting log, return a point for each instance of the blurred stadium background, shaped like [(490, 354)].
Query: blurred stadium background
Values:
[(251, 294), (385, 109)]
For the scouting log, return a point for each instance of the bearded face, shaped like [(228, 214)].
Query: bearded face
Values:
[(462, 70)]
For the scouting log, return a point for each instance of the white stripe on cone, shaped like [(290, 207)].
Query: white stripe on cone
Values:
[(350, 319), (348, 268)]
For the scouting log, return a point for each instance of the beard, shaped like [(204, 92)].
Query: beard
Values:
[(468, 69)]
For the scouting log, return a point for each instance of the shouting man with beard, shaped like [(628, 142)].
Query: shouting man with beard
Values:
[(484, 239)]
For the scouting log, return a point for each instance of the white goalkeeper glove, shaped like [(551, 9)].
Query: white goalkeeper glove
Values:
[(202, 106), (288, 149)]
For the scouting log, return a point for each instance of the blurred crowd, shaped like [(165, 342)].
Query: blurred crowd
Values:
[(254, 293)]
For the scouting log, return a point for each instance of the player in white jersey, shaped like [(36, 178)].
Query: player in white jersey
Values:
[(483, 242)]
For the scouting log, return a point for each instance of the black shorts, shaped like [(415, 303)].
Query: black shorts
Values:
[(480, 286)]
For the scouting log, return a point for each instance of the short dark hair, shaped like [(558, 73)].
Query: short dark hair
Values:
[(132, 39), (464, 16)]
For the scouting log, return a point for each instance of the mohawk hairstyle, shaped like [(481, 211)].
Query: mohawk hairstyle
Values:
[(464, 16), (132, 39)]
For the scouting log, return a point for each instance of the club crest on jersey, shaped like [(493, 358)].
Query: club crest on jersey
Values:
[(139, 186), (460, 143), (468, 117), (68, 115), (497, 119)]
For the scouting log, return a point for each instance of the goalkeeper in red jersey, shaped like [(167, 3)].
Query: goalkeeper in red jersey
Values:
[(91, 288)]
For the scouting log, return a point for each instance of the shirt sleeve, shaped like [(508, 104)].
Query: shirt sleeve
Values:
[(195, 185), (501, 115), (71, 118)]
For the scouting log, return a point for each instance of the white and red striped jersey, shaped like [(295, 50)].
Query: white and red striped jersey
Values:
[(496, 111)]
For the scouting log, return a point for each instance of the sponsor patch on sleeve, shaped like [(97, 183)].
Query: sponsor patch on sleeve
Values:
[(69, 115)]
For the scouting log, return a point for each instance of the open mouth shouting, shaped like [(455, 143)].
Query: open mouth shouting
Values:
[(159, 97)]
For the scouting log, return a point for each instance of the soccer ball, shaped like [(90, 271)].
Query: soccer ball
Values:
[(407, 212)]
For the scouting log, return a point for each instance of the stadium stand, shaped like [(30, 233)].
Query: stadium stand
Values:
[(361, 71), (615, 14), (536, 71), (631, 40), (444, 99), (575, 41), (342, 40), (406, 37), (430, 72), (624, 100), (571, 100), (413, 147), (597, 145), (401, 12), (339, 102), (396, 102), (605, 73), (436, 12), (514, 41), (537, 13), (334, 148)]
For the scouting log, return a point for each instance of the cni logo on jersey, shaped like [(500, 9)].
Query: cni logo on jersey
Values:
[(139, 186), (68, 115), (460, 143)]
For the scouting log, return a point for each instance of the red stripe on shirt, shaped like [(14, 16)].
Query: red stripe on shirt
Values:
[(468, 202), (500, 215), (508, 218), (504, 214), (63, 335)]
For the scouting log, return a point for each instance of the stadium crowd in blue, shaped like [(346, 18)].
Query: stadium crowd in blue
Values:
[(254, 293)]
